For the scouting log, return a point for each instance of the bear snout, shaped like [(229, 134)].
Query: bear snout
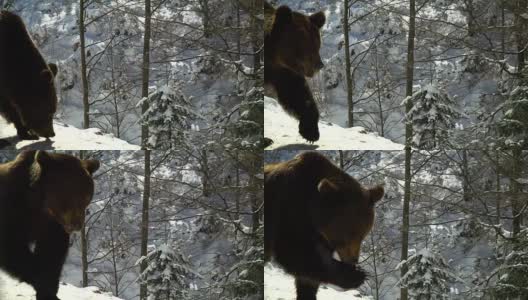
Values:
[(70, 228)]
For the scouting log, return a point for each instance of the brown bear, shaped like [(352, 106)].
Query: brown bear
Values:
[(291, 53), (313, 208), (27, 91), (43, 197)]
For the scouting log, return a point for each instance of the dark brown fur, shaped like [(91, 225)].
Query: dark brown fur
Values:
[(312, 209), (292, 46), (27, 91), (43, 197)]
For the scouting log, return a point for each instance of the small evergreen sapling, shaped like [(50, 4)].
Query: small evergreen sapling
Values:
[(428, 276), (167, 275), (513, 127), (169, 116), (512, 282), (433, 114)]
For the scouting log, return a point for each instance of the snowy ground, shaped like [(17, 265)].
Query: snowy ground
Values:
[(280, 286), (283, 130), (66, 138), (11, 289)]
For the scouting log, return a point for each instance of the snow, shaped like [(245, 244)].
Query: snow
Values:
[(66, 138), (283, 130), (280, 286), (11, 289)]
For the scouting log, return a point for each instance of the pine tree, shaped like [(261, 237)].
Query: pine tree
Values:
[(169, 115), (428, 276), (513, 127), (247, 281), (433, 114), (512, 281), (167, 275)]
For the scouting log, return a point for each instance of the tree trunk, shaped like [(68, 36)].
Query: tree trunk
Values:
[(238, 42), (408, 143), (348, 72), (515, 191), (84, 256), (114, 255), (237, 198), (465, 176), (205, 174), (84, 74), (206, 17), (255, 212), (145, 223), (375, 267), (503, 30), (470, 18), (380, 106), (498, 188), (519, 25), (257, 34), (84, 246), (145, 75)]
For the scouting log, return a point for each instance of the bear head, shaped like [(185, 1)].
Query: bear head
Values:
[(296, 39), (39, 117), (343, 213), (64, 185)]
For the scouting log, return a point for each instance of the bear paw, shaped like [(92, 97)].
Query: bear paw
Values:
[(266, 142), (47, 297), (309, 131), (350, 277)]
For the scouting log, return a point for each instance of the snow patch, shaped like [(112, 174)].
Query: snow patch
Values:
[(280, 286), (283, 130), (66, 138), (13, 289)]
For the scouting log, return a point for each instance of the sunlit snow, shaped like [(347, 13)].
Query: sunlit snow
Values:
[(11, 289), (280, 286), (66, 138), (283, 130)]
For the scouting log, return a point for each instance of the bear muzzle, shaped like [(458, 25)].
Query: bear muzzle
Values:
[(349, 254), (71, 228)]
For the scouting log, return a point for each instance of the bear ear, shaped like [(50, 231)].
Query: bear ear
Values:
[(376, 193), (91, 165), (47, 75), (326, 186), (283, 16), (318, 19), (35, 171), (268, 6), (42, 157), (54, 69)]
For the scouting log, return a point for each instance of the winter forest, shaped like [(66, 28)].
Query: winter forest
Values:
[(156, 75), (464, 86), (447, 77), (426, 98), (181, 77), (462, 235), (194, 219)]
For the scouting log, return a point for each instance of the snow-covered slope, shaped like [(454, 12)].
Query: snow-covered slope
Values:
[(66, 138), (11, 289), (283, 130), (280, 286)]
